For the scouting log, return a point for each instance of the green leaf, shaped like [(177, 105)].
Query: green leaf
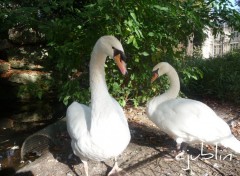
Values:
[(136, 59), (133, 15), (151, 34), (65, 100), (144, 53), (47, 9), (130, 39), (135, 44), (161, 8)]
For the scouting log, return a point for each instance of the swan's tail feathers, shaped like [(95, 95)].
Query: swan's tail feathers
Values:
[(232, 143)]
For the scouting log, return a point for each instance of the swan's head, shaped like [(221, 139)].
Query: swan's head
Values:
[(159, 70), (113, 48)]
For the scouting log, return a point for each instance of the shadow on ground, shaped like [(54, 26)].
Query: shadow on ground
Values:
[(150, 153)]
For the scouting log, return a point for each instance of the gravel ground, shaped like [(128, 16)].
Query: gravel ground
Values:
[(150, 152)]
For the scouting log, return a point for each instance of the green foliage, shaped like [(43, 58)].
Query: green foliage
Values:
[(39, 89), (220, 79), (150, 31)]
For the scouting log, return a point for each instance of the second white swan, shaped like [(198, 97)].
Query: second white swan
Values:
[(187, 120)]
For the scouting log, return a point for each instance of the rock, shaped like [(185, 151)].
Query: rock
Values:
[(24, 84), (4, 66), (25, 36), (17, 63), (27, 57), (26, 76), (21, 63)]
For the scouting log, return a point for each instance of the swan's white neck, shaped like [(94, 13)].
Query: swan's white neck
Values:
[(171, 93), (99, 90)]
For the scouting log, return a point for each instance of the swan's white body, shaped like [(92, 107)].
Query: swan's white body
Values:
[(101, 131), (187, 120)]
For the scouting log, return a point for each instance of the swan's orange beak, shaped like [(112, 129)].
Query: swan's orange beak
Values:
[(154, 77), (121, 64)]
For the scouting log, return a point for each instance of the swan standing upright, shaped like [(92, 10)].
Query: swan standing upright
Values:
[(101, 131), (187, 120)]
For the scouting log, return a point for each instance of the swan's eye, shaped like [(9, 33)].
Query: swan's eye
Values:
[(117, 52), (155, 71)]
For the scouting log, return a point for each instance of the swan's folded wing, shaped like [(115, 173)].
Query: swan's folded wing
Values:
[(192, 120), (78, 120), (120, 111)]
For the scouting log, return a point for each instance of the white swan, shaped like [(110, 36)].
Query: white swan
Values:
[(101, 131), (187, 120)]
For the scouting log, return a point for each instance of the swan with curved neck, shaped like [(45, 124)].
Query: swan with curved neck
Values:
[(101, 131), (187, 120)]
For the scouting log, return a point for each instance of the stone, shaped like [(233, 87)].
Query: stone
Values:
[(27, 57), (26, 76), (4, 66), (17, 64), (25, 36)]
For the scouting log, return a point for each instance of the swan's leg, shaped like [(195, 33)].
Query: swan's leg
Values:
[(115, 170), (181, 148), (180, 152), (85, 165)]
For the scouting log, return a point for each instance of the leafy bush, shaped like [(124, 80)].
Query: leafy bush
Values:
[(220, 79), (150, 31)]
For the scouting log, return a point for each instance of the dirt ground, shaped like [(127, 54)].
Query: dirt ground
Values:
[(150, 152)]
